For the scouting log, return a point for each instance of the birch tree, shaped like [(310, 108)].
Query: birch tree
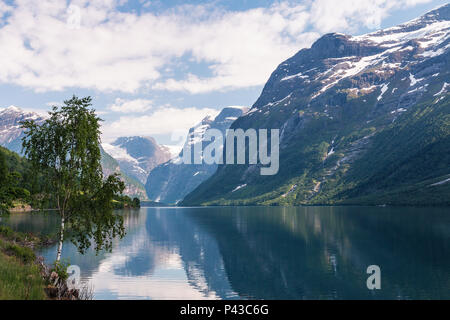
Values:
[(65, 149)]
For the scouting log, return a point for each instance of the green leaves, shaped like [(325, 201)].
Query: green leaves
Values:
[(66, 149), (9, 189)]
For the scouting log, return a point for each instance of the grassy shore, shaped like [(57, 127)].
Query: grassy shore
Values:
[(20, 276)]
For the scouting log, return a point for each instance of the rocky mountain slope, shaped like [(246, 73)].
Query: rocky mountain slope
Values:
[(10, 130), (171, 181), (363, 120), (11, 134), (137, 156)]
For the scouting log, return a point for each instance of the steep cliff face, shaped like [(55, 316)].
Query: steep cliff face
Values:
[(362, 120), (171, 181)]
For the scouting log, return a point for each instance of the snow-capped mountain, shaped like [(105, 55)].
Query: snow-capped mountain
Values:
[(358, 116), (361, 64), (10, 131), (171, 181), (137, 156)]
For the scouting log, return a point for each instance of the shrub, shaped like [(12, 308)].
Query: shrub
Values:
[(60, 267), (25, 254), (6, 231)]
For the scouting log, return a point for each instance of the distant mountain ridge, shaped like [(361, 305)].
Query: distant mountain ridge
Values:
[(137, 156), (11, 135), (171, 181), (363, 120)]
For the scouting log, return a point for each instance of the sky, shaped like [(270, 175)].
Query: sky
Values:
[(156, 68)]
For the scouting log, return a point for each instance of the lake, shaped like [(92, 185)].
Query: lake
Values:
[(266, 253)]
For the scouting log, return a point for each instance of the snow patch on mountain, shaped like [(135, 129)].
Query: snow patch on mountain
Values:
[(298, 75), (431, 34), (118, 153), (384, 88), (239, 187), (413, 80), (275, 103), (173, 149), (443, 90), (440, 183)]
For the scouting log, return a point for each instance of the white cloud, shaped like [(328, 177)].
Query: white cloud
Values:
[(131, 106), (164, 120), (348, 15), (116, 51)]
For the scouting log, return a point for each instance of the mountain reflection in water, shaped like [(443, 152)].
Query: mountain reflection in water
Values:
[(266, 253)]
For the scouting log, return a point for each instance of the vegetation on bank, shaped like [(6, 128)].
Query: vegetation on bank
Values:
[(20, 275), (125, 202), (23, 276), (149, 203)]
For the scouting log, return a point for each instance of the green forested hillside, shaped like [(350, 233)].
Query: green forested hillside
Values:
[(399, 166)]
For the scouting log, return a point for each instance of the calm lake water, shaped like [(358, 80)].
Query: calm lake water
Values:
[(266, 253)]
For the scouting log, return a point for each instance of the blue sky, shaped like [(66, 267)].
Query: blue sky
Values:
[(158, 67)]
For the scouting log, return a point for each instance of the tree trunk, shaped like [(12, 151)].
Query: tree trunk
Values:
[(61, 239)]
